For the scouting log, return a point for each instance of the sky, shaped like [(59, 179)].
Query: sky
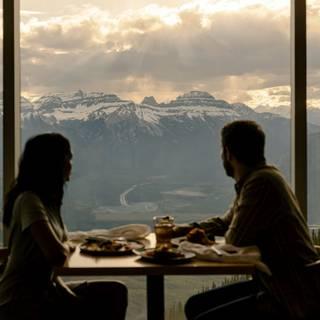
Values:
[(238, 51)]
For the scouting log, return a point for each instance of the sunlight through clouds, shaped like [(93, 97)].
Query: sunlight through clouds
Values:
[(272, 97), (235, 50)]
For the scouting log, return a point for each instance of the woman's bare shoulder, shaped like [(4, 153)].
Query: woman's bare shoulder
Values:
[(28, 197)]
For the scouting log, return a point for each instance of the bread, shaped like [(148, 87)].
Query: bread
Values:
[(198, 235)]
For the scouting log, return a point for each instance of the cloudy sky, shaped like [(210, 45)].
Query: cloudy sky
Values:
[(238, 51)]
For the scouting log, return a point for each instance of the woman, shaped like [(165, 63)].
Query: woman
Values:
[(37, 241)]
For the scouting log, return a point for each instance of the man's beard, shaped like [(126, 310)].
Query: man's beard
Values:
[(228, 168)]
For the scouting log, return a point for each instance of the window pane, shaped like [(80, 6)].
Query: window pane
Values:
[(142, 90), (313, 104)]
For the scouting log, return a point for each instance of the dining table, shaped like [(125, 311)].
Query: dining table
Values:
[(79, 264)]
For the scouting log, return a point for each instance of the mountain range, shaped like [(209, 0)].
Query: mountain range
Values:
[(134, 160)]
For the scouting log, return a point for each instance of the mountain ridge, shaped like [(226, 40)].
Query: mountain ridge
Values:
[(165, 151), (84, 106)]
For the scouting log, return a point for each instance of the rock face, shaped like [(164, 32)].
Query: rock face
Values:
[(195, 98), (151, 101)]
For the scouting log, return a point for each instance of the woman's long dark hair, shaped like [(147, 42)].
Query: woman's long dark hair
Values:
[(42, 170)]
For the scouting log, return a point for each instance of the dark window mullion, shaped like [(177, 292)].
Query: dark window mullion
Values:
[(11, 91), (298, 102)]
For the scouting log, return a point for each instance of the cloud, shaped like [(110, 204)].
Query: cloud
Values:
[(157, 50), (314, 93)]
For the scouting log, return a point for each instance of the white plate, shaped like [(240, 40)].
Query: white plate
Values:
[(178, 240), (130, 231), (96, 248), (145, 255)]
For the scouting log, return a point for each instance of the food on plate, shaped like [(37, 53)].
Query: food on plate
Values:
[(164, 252), (105, 246), (198, 235)]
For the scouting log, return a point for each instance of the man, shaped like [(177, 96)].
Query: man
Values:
[(265, 213)]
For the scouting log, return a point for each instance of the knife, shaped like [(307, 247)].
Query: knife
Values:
[(217, 251)]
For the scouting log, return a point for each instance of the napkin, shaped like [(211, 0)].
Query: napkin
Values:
[(226, 253), (129, 232)]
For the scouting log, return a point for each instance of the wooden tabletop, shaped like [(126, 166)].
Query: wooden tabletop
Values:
[(81, 265)]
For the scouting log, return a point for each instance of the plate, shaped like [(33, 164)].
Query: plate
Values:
[(148, 255), (178, 240), (130, 231), (109, 247)]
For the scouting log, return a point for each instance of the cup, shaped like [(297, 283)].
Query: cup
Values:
[(163, 229)]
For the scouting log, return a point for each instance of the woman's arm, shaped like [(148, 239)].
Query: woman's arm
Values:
[(63, 289), (53, 249)]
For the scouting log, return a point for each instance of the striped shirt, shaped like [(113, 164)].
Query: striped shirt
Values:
[(266, 213)]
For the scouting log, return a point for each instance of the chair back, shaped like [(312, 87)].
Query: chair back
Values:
[(4, 253)]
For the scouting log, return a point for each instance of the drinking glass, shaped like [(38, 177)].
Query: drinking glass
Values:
[(163, 229)]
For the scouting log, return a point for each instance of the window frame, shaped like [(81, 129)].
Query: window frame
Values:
[(299, 163), (11, 90), (11, 94)]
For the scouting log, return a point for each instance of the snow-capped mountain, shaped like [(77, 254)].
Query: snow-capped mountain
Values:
[(313, 113), (119, 143), (151, 101), (109, 107), (284, 111), (164, 135)]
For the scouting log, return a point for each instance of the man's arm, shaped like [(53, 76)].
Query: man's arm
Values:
[(215, 226)]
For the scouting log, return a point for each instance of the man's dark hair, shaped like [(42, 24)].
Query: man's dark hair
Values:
[(245, 139)]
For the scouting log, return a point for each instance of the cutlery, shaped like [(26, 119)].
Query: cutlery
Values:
[(217, 251)]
